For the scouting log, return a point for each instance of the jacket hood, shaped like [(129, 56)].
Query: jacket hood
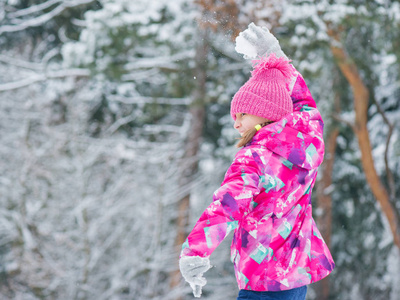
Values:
[(298, 138)]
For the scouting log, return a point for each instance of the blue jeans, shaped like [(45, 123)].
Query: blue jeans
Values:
[(293, 294)]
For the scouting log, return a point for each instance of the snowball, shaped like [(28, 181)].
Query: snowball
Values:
[(244, 47)]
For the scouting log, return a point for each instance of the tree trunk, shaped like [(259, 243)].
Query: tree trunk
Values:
[(190, 159), (361, 99), (324, 199)]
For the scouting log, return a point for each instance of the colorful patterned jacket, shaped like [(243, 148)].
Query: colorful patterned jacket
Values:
[(266, 199)]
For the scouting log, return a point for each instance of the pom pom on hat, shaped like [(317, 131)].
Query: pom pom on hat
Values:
[(267, 63), (266, 93)]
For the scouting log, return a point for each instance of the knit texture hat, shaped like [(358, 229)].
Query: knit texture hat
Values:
[(266, 93)]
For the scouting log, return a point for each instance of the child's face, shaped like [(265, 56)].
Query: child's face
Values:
[(245, 122)]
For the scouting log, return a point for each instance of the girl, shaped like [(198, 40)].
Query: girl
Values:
[(265, 197)]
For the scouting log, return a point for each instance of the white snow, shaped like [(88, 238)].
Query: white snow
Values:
[(244, 47)]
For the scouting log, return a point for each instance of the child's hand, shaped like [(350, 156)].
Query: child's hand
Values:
[(257, 41), (192, 269)]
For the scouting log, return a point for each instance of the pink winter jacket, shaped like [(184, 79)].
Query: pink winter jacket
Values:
[(266, 199)]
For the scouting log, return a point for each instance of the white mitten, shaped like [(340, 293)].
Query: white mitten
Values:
[(257, 41), (192, 269)]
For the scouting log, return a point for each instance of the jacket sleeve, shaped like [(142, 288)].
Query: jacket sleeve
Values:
[(231, 202), (301, 95), (305, 109)]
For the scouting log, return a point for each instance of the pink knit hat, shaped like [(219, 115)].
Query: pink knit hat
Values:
[(266, 93)]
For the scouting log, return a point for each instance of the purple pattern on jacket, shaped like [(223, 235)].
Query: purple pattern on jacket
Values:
[(266, 199)]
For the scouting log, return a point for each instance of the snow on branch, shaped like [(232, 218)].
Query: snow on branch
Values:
[(42, 77), (166, 62), (162, 128), (40, 20), (137, 145), (149, 100), (32, 9), (78, 22), (20, 63), (21, 83), (120, 122)]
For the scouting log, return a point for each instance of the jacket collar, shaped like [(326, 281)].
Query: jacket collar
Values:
[(297, 138)]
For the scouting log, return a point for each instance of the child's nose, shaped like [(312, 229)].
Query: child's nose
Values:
[(236, 125)]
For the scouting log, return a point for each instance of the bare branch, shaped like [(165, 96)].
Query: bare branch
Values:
[(340, 119), (389, 173)]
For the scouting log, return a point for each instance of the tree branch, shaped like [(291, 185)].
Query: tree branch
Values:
[(338, 118), (20, 63), (360, 100), (32, 9), (389, 173), (42, 77), (34, 22), (144, 100)]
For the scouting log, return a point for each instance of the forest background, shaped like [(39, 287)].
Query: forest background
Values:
[(115, 132)]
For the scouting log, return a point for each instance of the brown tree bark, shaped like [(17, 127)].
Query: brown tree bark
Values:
[(324, 204), (221, 14), (190, 160), (229, 17), (324, 198), (361, 100)]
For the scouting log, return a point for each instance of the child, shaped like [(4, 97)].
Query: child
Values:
[(265, 197)]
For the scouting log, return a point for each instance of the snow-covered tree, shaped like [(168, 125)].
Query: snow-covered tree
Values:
[(116, 131), (348, 53)]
